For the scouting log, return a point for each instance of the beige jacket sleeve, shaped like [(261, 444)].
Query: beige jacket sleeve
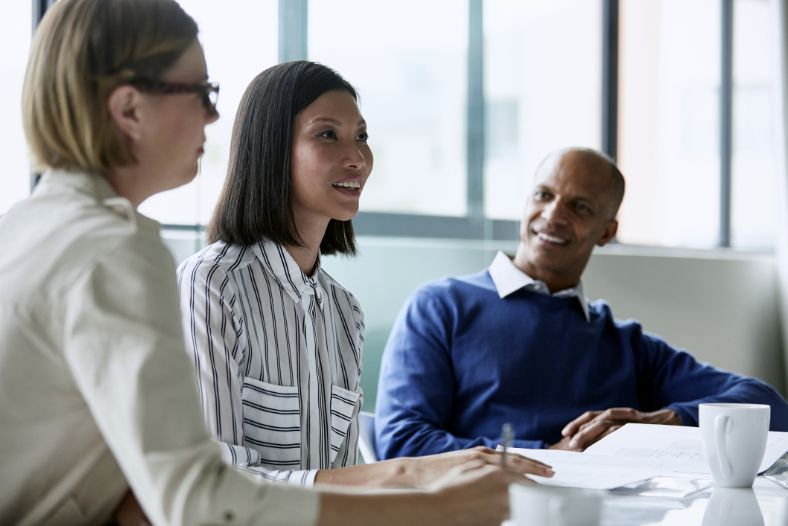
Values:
[(123, 343)]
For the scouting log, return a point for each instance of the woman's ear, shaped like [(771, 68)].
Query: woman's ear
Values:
[(123, 105)]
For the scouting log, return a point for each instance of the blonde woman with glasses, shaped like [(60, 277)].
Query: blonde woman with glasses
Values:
[(97, 397)]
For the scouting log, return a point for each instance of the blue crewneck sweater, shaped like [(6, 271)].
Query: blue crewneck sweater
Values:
[(461, 361)]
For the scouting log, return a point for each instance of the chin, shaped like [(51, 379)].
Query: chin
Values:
[(345, 215)]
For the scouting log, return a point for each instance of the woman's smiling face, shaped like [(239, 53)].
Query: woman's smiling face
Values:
[(330, 160)]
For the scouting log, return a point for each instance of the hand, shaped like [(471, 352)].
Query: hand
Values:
[(592, 426), (130, 513), (474, 493), (425, 470)]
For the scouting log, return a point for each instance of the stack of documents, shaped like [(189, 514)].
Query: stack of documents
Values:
[(638, 452)]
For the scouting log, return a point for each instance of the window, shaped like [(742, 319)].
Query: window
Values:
[(15, 35), (542, 67), (240, 40), (754, 173), (425, 69), (408, 61), (668, 132)]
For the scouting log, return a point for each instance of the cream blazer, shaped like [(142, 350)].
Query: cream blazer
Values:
[(96, 391)]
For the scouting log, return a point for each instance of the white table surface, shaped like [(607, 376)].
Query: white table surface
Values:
[(764, 505)]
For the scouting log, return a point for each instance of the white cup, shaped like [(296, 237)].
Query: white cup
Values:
[(733, 437), (535, 505)]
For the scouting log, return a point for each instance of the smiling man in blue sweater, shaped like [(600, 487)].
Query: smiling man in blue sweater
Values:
[(519, 343)]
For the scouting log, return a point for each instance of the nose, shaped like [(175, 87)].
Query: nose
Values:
[(553, 212), (211, 116), (356, 158)]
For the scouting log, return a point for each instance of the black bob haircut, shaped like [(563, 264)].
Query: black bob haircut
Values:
[(255, 202)]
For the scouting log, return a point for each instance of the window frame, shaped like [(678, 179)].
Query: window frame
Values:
[(293, 26)]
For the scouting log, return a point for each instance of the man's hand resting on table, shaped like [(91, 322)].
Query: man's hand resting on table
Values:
[(592, 426)]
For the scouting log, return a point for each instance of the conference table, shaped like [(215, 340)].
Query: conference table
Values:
[(680, 493), (766, 504)]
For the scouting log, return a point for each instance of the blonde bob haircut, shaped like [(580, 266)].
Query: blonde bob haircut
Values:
[(81, 52)]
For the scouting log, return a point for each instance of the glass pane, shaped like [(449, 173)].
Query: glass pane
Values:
[(543, 74), (754, 174), (668, 134), (240, 40), (408, 60), (15, 35)]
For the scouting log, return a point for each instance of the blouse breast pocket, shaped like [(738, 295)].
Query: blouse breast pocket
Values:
[(272, 423), (344, 408)]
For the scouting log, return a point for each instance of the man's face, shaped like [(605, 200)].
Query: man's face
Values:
[(570, 209)]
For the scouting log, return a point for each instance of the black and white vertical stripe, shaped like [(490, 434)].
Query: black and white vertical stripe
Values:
[(278, 359)]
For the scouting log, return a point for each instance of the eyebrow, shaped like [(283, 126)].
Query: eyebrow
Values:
[(589, 200), (328, 120)]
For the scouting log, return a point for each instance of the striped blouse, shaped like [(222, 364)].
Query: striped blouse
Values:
[(278, 359)]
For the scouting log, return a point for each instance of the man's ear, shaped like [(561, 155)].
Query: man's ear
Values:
[(123, 105), (608, 233)]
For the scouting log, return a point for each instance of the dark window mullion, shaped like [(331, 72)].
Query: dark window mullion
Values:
[(610, 57), (39, 8), (475, 123), (726, 121)]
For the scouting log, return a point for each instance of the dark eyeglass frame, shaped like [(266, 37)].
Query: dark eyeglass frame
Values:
[(208, 91)]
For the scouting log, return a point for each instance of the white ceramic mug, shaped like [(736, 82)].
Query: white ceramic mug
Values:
[(733, 437), (536, 505)]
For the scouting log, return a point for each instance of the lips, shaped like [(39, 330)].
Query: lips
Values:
[(551, 239), (349, 185)]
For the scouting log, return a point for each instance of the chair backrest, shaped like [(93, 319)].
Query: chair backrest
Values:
[(366, 437)]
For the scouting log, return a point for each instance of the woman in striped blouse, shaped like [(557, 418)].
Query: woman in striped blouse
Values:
[(275, 340)]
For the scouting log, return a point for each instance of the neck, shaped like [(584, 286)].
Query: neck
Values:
[(131, 182), (305, 257), (306, 254), (555, 280)]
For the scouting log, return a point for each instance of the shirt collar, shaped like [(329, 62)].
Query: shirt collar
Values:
[(509, 279), (97, 187), (90, 184), (284, 268)]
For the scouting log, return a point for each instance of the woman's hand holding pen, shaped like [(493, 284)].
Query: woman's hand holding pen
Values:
[(425, 470)]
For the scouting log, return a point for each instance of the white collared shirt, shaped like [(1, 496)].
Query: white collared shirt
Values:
[(96, 391), (508, 278), (278, 358)]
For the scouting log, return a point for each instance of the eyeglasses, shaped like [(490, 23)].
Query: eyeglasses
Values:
[(208, 91)]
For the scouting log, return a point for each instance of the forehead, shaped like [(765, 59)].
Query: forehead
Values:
[(335, 104), (576, 175)]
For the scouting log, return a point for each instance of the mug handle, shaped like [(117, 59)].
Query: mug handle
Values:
[(721, 425)]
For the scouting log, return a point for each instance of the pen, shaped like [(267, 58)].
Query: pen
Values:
[(507, 434)]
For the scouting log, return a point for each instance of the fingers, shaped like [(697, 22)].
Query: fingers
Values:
[(622, 414), (602, 424), (528, 466), (572, 427), (563, 444), (514, 462), (589, 434), (609, 430)]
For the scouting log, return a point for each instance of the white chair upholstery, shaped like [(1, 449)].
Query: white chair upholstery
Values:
[(366, 437)]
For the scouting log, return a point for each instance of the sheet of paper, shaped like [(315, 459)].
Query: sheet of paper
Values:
[(583, 470), (673, 448)]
